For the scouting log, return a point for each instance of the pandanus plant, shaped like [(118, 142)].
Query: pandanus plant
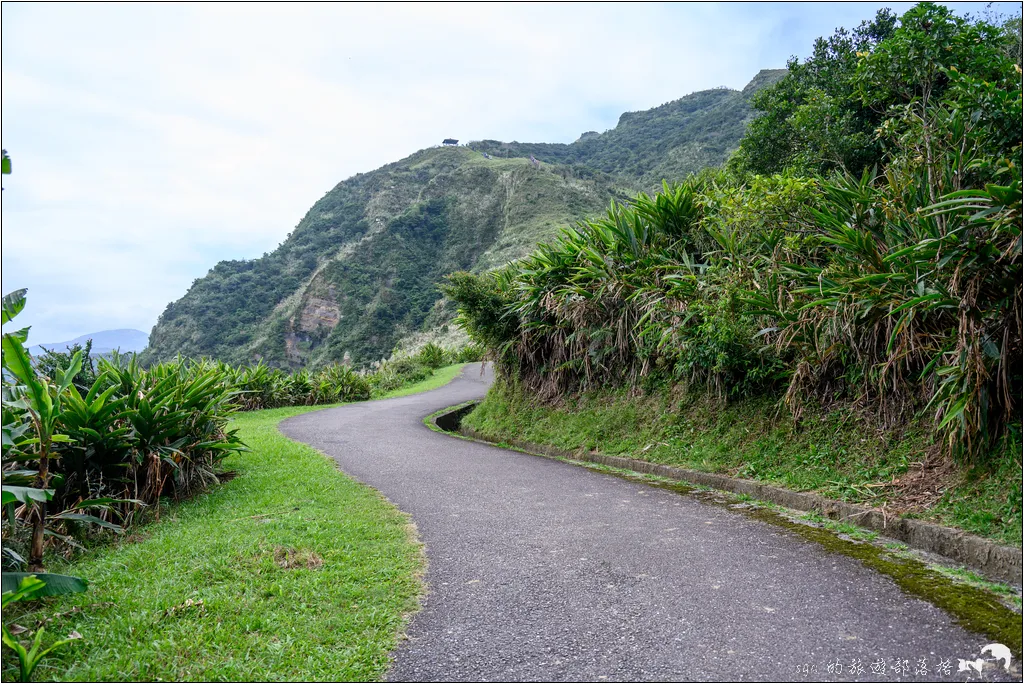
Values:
[(573, 309), (922, 299)]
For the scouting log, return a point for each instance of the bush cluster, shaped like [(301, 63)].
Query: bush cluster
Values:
[(89, 443), (899, 284), (262, 387), (407, 369), (89, 446)]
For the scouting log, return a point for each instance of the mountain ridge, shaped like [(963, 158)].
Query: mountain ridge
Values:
[(103, 341), (358, 273)]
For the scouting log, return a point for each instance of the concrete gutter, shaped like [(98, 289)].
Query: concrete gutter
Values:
[(999, 562)]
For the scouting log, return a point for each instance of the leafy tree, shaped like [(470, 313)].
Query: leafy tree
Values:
[(809, 120), (52, 361), (942, 79), (845, 107)]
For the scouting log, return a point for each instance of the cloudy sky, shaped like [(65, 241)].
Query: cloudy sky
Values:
[(151, 141)]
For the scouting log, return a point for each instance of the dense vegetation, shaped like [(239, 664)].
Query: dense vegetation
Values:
[(259, 386), (863, 246), (291, 570), (359, 273), (92, 442), (89, 446)]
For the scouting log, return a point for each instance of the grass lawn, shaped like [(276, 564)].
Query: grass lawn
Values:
[(289, 571)]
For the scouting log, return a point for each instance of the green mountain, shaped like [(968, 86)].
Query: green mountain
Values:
[(359, 272)]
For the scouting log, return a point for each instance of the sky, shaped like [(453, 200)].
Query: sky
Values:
[(150, 141)]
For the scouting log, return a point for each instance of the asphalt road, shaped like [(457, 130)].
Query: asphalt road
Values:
[(544, 571)]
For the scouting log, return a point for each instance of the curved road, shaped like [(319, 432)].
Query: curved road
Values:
[(540, 570)]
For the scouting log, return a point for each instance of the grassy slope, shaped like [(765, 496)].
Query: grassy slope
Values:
[(440, 378), (831, 453), (258, 621)]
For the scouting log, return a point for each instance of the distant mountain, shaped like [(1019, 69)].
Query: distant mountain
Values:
[(103, 342), (360, 271)]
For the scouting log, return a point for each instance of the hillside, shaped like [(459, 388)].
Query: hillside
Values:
[(360, 270)]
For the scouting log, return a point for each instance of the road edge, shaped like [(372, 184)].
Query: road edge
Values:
[(996, 561)]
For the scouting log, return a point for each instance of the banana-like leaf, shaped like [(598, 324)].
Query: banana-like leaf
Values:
[(13, 302), (54, 585), (20, 335), (18, 362), (24, 588), (67, 376), (20, 478), (91, 519), (25, 495), (14, 555), (70, 541), (105, 501), (12, 432)]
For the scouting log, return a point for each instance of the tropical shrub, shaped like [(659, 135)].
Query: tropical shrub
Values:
[(921, 301), (898, 287), (74, 462), (470, 353), (432, 356), (260, 386), (396, 372)]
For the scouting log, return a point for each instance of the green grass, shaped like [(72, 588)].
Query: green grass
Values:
[(851, 531), (836, 454), (334, 616), (1008, 594), (440, 378)]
